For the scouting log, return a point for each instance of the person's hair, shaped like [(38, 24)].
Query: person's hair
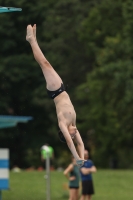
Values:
[(61, 136)]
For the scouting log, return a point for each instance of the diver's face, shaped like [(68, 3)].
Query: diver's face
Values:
[(72, 130)]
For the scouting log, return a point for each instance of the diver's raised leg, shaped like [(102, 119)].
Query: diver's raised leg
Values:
[(53, 80)]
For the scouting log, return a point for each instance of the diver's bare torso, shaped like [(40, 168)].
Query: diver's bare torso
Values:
[(65, 110)]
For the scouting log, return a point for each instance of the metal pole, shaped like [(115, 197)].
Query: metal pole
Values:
[(0, 195), (48, 176)]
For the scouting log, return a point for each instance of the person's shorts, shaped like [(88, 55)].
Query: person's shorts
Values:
[(73, 187), (87, 187), (53, 94)]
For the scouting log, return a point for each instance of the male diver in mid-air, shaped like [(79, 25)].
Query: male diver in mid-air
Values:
[(65, 111)]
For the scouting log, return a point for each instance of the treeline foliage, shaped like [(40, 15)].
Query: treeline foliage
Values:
[(107, 93), (89, 43)]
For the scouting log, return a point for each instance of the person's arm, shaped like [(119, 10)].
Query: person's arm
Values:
[(86, 171), (80, 145), (68, 170), (69, 140)]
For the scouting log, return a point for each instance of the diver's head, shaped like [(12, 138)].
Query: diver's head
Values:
[(72, 131)]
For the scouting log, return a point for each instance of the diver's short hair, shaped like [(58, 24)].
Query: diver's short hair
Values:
[(61, 136)]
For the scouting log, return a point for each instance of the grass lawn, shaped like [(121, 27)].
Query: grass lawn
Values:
[(109, 185)]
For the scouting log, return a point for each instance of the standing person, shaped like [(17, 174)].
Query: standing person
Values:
[(86, 177), (65, 111), (47, 151), (72, 174)]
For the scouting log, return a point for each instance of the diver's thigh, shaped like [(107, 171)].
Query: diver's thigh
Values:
[(53, 80)]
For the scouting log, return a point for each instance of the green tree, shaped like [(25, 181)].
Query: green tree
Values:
[(106, 96), (22, 85)]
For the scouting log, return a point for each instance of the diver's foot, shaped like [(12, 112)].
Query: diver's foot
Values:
[(80, 163), (30, 33), (34, 31)]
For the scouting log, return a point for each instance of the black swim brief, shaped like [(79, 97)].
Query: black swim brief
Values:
[(53, 94)]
